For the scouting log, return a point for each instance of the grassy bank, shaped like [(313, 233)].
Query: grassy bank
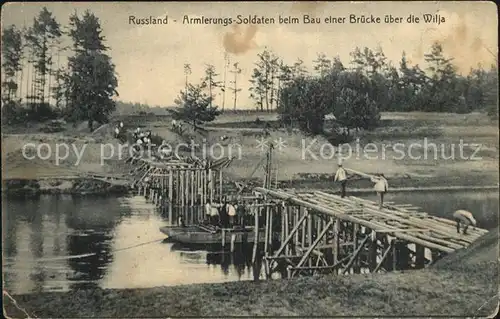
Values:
[(462, 284)]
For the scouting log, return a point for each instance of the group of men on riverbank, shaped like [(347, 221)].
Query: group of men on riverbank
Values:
[(382, 186)]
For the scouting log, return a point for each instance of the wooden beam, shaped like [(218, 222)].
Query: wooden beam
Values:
[(292, 233), (336, 265), (384, 256), (284, 257), (316, 242), (355, 254)]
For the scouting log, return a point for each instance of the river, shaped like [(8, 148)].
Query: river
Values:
[(39, 234)]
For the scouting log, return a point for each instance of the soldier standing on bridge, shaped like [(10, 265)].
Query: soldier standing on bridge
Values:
[(341, 176), (381, 187)]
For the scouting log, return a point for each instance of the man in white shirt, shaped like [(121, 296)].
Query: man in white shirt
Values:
[(465, 217), (341, 176), (208, 211), (231, 212), (381, 187)]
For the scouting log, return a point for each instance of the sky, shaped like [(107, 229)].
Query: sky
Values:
[(150, 59)]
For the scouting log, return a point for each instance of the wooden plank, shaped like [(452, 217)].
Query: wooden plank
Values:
[(336, 265), (291, 234), (355, 254), (384, 256), (402, 230), (315, 243)]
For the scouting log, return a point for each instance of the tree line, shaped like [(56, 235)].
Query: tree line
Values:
[(355, 93), (39, 83)]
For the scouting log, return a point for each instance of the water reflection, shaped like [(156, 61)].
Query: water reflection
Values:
[(38, 235), (238, 262)]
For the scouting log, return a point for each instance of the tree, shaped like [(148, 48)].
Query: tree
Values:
[(187, 73), (209, 80), (223, 88), (41, 38), (283, 78), (322, 64), (367, 61), (91, 82), (373, 65), (263, 89), (258, 88), (306, 101), (474, 86), (353, 106), (236, 71), (491, 92), (356, 110), (442, 88), (298, 69), (12, 53), (196, 106)]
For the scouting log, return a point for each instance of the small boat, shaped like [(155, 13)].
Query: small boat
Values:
[(201, 234)]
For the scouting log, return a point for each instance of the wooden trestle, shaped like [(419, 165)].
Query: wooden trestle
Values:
[(180, 184), (308, 232), (321, 232)]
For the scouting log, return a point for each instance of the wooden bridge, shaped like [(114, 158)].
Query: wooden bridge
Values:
[(306, 231), (321, 232), (180, 182)]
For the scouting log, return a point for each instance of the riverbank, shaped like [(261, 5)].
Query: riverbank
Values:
[(437, 155), (464, 283), (86, 186), (73, 186)]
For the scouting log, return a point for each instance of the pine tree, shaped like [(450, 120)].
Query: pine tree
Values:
[(187, 73), (41, 38), (227, 61), (236, 71), (263, 89), (257, 88), (91, 82), (442, 88), (322, 64), (209, 81), (196, 106), (12, 54)]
